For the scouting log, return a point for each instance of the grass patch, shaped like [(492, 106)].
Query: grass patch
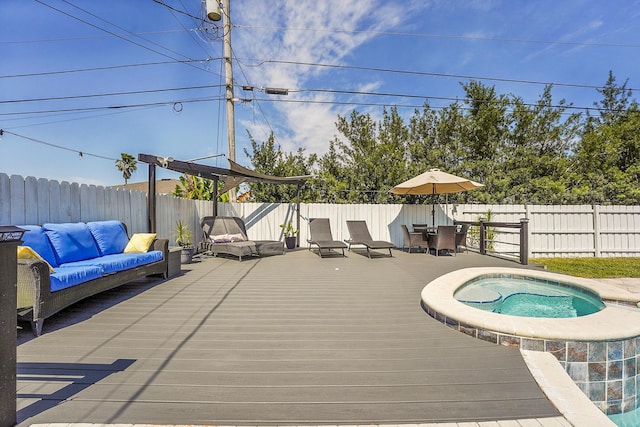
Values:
[(595, 268)]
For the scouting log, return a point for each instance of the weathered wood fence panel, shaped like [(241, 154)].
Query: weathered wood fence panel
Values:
[(567, 231)]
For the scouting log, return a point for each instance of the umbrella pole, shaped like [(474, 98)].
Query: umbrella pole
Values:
[(433, 214)]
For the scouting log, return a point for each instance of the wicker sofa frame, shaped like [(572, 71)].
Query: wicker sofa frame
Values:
[(36, 302)]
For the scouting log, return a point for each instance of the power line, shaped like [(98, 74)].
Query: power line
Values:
[(111, 67), (124, 29), (38, 141), (177, 10), (98, 95), (175, 103), (102, 36), (84, 117), (333, 91), (387, 104), (112, 33), (183, 27), (441, 36), (421, 73), (257, 103)]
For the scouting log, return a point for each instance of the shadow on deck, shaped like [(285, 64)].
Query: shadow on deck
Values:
[(291, 339)]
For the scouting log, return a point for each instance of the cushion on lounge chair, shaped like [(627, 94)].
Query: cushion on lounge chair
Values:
[(228, 235)]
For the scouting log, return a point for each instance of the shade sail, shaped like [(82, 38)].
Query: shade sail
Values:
[(435, 181)]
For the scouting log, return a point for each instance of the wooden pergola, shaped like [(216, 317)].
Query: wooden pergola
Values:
[(232, 177)]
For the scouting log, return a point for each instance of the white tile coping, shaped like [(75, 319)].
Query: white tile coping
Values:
[(528, 422), (613, 323), (563, 392)]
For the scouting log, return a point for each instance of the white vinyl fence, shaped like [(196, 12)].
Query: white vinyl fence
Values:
[(554, 231)]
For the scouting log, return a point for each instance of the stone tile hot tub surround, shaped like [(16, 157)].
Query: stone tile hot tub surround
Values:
[(600, 352)]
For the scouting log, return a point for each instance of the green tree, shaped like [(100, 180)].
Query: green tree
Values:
[(523, 153), (372, 155), (538, 147), (198, 188), (608, 154), (615, 100), (126, 164), (268, 158)]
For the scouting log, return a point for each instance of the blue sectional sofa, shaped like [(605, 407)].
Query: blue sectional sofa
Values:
[(77, 260)]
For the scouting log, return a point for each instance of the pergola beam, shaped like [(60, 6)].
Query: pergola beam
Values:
[(236, 174)]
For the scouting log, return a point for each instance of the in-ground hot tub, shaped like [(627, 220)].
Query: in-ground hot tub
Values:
[(600, 351), (528, 296)]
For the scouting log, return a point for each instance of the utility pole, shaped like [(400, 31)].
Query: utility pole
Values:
[(228, 73)]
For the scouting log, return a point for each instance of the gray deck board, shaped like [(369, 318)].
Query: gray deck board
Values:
[(291, 339)]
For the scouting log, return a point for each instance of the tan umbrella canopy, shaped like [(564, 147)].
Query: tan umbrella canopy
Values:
[(435, 181)]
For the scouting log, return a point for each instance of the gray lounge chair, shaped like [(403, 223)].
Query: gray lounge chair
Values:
[(444, 239), (414, 239), (320, 235), (359, 235)]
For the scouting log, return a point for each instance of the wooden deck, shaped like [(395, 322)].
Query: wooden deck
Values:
[(286, 340)]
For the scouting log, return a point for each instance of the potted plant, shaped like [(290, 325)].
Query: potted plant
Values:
[(289, 234), (183, 239)]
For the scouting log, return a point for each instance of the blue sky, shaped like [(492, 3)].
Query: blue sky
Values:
[(138, 76)]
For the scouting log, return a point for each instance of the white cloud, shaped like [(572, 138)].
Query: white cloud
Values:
[(326, 32)]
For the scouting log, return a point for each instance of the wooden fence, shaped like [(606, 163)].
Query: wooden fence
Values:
[(554, 231)]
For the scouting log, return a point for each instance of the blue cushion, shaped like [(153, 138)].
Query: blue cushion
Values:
[(37, 240), (117, 262), (65, 277), (71, 241), (110, 236)]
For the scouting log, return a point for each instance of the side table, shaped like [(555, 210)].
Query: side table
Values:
[(174, 265)]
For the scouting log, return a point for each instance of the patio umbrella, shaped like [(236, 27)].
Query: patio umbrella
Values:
[(435, 181)]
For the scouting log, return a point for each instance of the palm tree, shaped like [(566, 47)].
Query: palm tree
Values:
[(127, 165)]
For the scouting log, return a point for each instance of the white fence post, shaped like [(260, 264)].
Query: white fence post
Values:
[(596, 230)]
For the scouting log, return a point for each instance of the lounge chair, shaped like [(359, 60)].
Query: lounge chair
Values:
[(444, 239), (359, 235), (414, 239), (320, 235), (228, 235)]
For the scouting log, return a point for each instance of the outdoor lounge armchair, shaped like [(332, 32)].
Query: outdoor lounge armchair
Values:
[(444, 239), (320, 235), (359, 235), (414, 239), (228, 235)]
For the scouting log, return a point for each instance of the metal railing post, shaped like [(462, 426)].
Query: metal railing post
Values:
[(483, 237), (524, 241)]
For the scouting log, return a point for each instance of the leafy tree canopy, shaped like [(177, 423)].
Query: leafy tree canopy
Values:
[(539, 153)]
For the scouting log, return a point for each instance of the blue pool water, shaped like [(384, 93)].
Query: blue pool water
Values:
[(628, 419), (527, 297)]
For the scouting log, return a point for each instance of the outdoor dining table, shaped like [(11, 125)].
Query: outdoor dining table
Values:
[(425, 229), (429, 232)]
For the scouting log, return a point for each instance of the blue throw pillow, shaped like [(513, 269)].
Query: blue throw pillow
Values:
[(71, 241), (110, 236), (37, 240)]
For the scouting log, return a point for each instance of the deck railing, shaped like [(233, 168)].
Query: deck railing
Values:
[(486, 238)]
